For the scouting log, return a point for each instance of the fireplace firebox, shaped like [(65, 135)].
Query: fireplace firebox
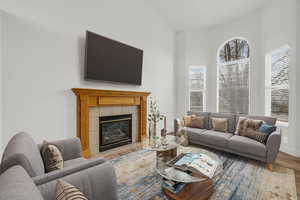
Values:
[(115, 131)]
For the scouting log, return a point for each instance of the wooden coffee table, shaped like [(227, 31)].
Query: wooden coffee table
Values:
[(195, 189)]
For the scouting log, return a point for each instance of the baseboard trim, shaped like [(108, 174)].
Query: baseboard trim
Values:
[(290, 151)]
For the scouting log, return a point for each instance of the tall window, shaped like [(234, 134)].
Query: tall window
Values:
[(233, 64), (197, 87), (277, 89)]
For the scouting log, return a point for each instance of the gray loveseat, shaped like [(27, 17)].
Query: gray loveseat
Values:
[(94, 177), (231, 142)]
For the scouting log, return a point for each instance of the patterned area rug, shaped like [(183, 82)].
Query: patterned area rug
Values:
[(242, 178)]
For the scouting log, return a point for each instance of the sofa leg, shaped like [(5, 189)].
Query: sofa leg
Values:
[(270, 167)]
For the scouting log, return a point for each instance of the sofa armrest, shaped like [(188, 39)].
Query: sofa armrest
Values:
[(273, 145), (70, 148), (57, 174), (96, 182), (16, 184)]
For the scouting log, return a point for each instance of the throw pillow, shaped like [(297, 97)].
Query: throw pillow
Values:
[(265, 128), (220, 124), (253, 124), (198, 122), (66, 191), (187, 120), (241, 125), (52, 157), (256, 135)]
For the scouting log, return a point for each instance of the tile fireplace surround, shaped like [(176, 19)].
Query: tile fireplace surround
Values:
[(93, 103), (96, 112)]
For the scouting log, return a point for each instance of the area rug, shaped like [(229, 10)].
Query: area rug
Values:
[(242, 178)]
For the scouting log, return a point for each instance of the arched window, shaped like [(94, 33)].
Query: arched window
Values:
[(233, 76)]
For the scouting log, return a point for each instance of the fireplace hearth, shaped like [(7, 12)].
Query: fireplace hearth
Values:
[(115, 131)]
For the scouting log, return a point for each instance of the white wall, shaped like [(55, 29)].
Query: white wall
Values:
[(201, 48), (43, 55), (297, 84), (279, 29), (1, 85), (266, 29)]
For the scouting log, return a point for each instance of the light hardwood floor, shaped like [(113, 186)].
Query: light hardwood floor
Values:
[(291, 162), (283, 159)]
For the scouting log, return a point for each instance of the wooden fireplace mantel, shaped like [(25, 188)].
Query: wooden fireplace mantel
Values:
[(87, 98)]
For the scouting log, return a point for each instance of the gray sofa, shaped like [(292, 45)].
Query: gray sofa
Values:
[(231, 142), (96, 183), (94, 177)]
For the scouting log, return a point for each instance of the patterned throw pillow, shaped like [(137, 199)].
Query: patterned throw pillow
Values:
[(198, 122), (241, 125), (253, 124), (220, 124), (66, 191), (187, 120), (52, 157), (256, 135)]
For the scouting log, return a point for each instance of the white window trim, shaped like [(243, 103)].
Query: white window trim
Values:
[(197, 90), (268, 85)]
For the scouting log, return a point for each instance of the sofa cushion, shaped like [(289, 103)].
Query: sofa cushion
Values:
[(253, 124), (230, 117), (198, 121), (256, 135), (187, 120), (201, 114), (194, 133), (265, 128), (15, 184), (52, 157), (22, 150), (220, 124), (240, 126), (66, 191), (247, 145), (219, 139), (268, 120)]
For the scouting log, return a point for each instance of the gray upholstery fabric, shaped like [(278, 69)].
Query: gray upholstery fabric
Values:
[(194, 133), (22, 150), (237, 144), (98, 182), (79, 165), (273, 145), (177, 126), (255, 157), (247, 145), (204, 114), (15, 184), (216, 138), (76, 161), (230, 117), (70, 148), (269, 120)]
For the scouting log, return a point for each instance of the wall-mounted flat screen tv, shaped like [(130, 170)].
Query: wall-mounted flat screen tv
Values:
[(109, 60)]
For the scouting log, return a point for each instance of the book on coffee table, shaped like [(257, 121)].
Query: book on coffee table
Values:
[(200, 164), (172, 186)]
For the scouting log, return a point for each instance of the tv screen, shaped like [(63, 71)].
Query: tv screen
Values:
[(109, 60)]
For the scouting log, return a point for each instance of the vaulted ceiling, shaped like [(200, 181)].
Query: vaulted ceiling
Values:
[(195, 14)]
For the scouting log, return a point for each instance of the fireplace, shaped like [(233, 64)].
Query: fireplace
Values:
[(115, 131)]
